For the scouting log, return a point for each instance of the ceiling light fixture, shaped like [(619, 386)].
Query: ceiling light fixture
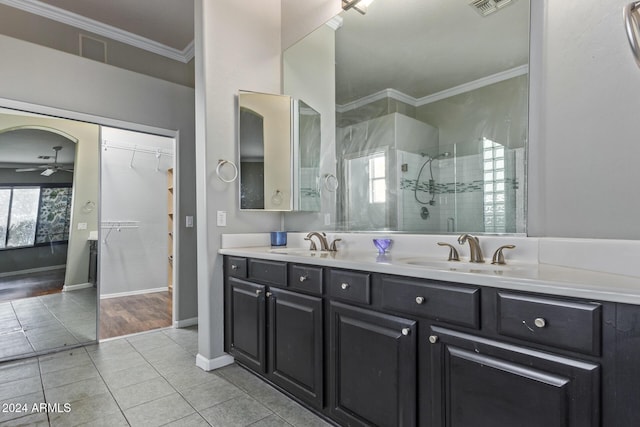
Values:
[(359, 5), (48, 172)]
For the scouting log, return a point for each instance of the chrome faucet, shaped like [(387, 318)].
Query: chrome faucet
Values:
[(322, 238), (474, 247)]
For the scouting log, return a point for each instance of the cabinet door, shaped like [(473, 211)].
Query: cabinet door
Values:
[(373, 367), (484, 383), (295, 344), (246, 322)]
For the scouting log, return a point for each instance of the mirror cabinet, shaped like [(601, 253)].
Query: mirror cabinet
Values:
[(279, 151)]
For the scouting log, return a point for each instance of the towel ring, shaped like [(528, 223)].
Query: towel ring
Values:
[(331, 182), (219, 167), (632, 27)]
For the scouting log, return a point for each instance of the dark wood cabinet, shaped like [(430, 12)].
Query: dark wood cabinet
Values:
[(276, 333), (373, 367), (246, 323), (372, 349), (479, 382), (296, 345)]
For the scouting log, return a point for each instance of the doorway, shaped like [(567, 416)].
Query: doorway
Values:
[(137, 232)]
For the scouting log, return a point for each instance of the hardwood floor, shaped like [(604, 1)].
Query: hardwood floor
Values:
[(31, 284), (135, 313)]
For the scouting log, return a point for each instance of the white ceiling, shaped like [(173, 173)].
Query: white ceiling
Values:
[(421, 47)]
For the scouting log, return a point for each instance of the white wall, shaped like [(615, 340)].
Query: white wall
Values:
[(583, 172), (237, 47), (67, 85), (134, 260)]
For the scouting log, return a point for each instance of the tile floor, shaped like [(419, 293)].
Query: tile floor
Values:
[(143, 380), (46, 322)]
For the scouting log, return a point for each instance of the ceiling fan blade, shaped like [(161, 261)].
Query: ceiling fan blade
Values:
[(27, 169), (68, 170)]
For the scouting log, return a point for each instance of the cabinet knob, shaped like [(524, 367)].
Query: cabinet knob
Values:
[(268, 294), (406, 331), (344, 286), (303, 278), (433, 339), (419, 300), (258, 292), (540, 322), (234, 267)]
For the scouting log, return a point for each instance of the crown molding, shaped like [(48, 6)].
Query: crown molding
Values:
[(418, 102), (69, 18), (335, 22)]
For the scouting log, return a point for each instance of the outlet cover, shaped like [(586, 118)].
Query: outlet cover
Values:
[(82, 226), (221, 219)]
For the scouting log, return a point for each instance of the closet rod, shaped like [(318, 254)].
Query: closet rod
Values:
[(136, 149)]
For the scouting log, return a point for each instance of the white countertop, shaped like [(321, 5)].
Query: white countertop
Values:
[(516, 275)]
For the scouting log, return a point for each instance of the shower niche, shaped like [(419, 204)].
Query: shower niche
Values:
[(279, 149)]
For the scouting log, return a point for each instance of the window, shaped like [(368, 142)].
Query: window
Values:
[(377, 179), (34, 215), (494, 187)]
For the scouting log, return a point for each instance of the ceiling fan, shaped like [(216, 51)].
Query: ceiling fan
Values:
[(48, 169)]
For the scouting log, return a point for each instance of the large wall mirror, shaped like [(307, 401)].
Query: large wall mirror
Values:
[(48, 219), (431, 107)]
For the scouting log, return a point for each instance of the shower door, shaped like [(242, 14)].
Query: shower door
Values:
[(366, 191)]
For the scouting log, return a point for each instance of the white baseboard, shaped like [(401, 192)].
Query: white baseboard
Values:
[(32, 270), (185, 323), (212, 364), (140, 292), (68, 288)]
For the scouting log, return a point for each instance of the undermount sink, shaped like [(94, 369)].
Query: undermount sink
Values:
[(299, 251), (462, 266)]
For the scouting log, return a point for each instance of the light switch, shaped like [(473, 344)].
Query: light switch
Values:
[(82, 226), (189, 221), (327, 219), (222, 219)]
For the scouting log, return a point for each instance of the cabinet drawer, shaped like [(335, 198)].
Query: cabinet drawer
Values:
[(442, 302), (305, 278), (236, 267), (350, 286), (272, 272), (564, 324)]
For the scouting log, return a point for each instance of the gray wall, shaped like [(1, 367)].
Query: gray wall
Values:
[(237, 48), (47, 32), (78, 86), (583, 172)]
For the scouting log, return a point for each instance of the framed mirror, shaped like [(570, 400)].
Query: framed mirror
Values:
[(279, 148), (431, 123)]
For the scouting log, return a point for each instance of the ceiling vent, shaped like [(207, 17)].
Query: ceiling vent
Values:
[(487, 7), (93, 48)]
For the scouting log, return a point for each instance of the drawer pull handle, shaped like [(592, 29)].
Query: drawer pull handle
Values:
[(433, 339), (234, 267), (406, 331), (344, 286), (258, 292), (303, 278), (419, 300), (540, 322)]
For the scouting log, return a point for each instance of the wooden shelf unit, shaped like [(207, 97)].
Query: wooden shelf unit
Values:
[(170, 199)]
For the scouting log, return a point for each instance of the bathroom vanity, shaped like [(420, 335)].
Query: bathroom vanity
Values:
[(399, 345)]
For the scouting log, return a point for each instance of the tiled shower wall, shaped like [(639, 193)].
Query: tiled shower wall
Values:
[(458, 193)]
